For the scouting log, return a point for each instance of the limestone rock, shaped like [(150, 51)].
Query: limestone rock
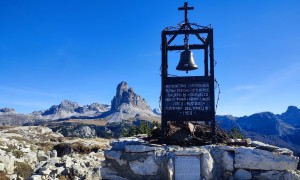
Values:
[(144, 166), (242, 174), (128, 96), (9, 163), (207, 164), (44, 171), (138, 148), (170, 167), (35, 177), (1, 166), (121, 143), (227, 161), (85, 132), (115, 155), (278, 175), (248, 158)]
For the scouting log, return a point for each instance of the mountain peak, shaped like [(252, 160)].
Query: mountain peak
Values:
[(292, 109), (8, 110), (68, 104), (292, 116), (125, 95)]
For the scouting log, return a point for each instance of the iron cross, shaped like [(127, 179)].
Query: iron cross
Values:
[(185, 8)]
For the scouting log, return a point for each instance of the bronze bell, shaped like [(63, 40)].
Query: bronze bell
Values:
[(186, 62)]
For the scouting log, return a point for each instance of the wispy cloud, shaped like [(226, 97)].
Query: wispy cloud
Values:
[(276, 79)]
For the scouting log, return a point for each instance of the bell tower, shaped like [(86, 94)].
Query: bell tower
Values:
[(188, 98)]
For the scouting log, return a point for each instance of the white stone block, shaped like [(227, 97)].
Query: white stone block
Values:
[(144, 166), (138, 148), (242, 174), (227, 161), (247, 158)]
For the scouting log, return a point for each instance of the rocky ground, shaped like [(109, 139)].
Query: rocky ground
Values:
[(35, 152)]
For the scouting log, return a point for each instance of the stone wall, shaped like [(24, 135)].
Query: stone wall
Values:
[(133, 158)]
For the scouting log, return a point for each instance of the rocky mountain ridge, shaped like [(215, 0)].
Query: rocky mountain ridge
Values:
[(125, 105), (278, 129)]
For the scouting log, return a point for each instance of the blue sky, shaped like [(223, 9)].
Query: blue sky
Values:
[(81, 50)]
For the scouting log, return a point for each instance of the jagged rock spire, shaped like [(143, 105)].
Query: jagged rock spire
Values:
[(128, 96)]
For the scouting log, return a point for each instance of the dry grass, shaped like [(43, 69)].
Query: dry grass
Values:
[(3, 176), (5, 127), (45, 146), (23, 170), (13, 131), (18, 138), (97, 122)]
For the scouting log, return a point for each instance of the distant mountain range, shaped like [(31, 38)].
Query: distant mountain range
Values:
[(278, 129), (125, 105)]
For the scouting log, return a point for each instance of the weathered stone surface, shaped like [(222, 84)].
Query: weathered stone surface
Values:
[(14, 177), (191, 151), (170, 168), (291, 175), (121, 143), (242, 174), (216, 153), (8, 162), (227, 161), (268, 147), (35, 177), (107, 173), (44, 171), (207, 164), (248, 158), (115, 155), (1, 167), (144, 166), (228, 175), (278, 175), (138, 148)]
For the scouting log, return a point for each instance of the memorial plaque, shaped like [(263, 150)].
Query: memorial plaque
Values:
[(187, 167), (188, 98)]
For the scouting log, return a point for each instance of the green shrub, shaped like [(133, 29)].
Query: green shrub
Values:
[(143, 128), (235, 133)]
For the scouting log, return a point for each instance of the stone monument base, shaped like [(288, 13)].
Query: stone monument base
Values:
[(133, 158)]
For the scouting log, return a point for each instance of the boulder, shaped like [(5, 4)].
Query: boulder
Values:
[(144, 166), (249, 158), (121, 143), (115, 155), (242, 174), (35, 177), (138, 148), (1, 166), (9, 163), (227, 161), (278, 175), (170, 168)]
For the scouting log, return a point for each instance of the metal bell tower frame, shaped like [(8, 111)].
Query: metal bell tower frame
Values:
[(205, 36)]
